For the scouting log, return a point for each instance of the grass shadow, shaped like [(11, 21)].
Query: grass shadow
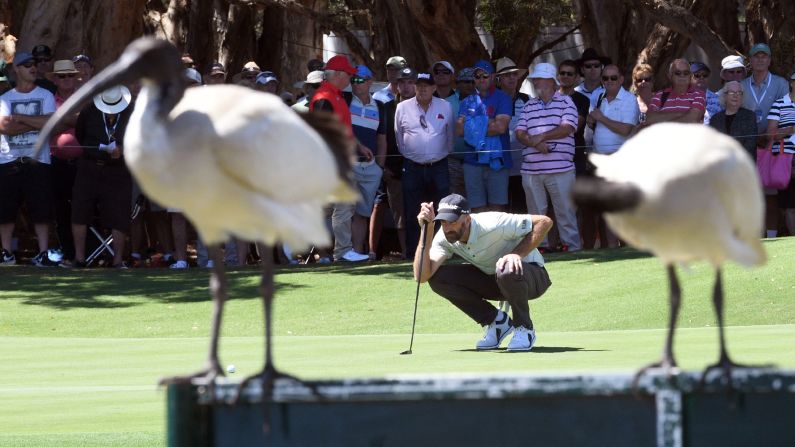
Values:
[(536, 349)]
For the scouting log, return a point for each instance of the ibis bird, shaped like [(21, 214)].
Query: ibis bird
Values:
[(229, 157), (684, 192)]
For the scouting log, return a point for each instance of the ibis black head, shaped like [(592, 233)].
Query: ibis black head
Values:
[(153, 60)]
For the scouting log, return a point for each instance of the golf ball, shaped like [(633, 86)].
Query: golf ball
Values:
[(231, 369)]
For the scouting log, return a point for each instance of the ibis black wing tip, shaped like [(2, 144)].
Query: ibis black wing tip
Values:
[(336, 137), (601, 195)]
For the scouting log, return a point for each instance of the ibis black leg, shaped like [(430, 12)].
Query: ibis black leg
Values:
[(668, 363), (218, 286), (269, 373), (724, 361)]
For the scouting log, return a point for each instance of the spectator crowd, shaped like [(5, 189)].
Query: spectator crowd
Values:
[(505, 142)]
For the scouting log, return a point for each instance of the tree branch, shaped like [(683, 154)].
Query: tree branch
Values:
[(552, 43), (684, 22)]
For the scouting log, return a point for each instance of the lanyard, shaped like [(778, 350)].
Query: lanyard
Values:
[(757, 100), (111, 133)]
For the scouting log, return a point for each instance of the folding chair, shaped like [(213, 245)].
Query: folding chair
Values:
[(106, 242)]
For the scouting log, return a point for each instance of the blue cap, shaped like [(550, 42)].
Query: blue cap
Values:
[(761, 47), (363, 72), (485, 66), (695, 67), (22, 58)]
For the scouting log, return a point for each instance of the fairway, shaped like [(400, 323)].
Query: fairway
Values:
[(83, 350)]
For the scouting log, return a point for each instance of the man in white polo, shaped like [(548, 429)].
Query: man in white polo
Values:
[(503, 264), (613, 118)]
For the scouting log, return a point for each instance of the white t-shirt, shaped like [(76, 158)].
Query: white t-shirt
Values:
[(492, 235), (624, 109), (36, 102)]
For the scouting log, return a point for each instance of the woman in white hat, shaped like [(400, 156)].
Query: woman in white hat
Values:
[(102, 177)]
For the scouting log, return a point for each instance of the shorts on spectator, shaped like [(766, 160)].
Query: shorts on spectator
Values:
[(485, 186), (107, 187), (29, 183), (786, 197), (367, 178)]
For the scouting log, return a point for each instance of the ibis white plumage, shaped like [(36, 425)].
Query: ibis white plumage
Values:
[(684, 192), (237, 162)]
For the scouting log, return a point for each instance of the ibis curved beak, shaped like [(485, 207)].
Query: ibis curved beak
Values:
[(126, 69)]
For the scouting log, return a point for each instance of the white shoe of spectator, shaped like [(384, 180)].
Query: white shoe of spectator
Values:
[(523, 339), (210, 264), (179, 265), (353, 256)]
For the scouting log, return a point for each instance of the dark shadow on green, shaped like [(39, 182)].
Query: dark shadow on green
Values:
[(108, 288), (536, 349)]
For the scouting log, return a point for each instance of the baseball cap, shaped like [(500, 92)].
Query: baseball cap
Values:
[(695, 67), (484, 65), (760, 47), (340, 63), (81, 58), (466, 74), (452, 207), (217, 68), (193, 76), (444, 64), (425, 78), (397, 62), (408, 73), (42, 52), (21, 58), (363, 72), (265, 77)]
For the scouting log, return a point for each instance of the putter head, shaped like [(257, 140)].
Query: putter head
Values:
[(406, 352)]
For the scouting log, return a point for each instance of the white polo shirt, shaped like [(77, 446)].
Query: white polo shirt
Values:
[(492, 235), (623, 108)]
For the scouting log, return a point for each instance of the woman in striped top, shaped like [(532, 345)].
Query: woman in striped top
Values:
[(781, 127)]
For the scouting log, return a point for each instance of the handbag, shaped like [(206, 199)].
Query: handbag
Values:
[(775, 169)]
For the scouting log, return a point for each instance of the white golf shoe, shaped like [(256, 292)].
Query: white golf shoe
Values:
[(495, 332), (523, 339)]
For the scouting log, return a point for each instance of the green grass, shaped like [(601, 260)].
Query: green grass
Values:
[(82, 350)]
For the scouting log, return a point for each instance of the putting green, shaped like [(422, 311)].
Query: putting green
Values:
[(85, 386)]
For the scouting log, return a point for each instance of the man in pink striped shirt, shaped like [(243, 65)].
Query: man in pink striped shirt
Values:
[(680, 102)]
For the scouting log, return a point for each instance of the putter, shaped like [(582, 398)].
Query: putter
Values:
[(417, 296)]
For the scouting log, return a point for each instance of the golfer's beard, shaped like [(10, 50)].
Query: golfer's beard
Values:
[(452, 236)]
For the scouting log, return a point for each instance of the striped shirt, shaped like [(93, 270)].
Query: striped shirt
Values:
[(691, 99), (783, 111), (537, 118)]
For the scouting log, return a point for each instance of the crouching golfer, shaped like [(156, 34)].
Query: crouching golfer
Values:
[(503, 265)]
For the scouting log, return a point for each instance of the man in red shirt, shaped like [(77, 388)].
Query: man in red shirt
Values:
[(328, 96)]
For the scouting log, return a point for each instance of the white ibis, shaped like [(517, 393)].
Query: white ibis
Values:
[(229, 157), (684, 192)]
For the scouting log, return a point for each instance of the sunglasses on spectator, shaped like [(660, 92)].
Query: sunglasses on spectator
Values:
[(610, 78), (465, 82), (423, 123), (682, 73), (481, 76), (701, 75), (736, 71), (642, 80), (569, 74), (358, 80), (591, 65), (442, 72), (64, 76), (29, 64)]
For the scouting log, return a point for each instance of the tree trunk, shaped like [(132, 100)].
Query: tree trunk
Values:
[(773, 22), (438, 21)]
